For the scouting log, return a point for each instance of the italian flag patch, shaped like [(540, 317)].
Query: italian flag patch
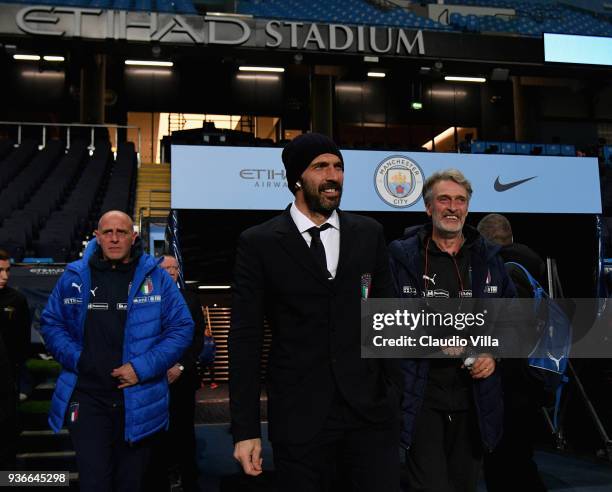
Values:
[(147, 286)]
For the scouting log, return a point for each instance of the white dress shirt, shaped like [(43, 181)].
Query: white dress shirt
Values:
[(329, 237)]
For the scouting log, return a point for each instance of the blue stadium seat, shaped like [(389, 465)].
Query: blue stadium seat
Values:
[(552, 149), (523, 148), (568, 150), (508, 148), (479, 147), (607, 154), (122, 5)]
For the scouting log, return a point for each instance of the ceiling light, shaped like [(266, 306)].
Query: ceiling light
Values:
[(149, 63), (214, 287), (261, 69), (380, 75), (51, 58), (259, 77), (27, 57), (450, 78), (370, 59)]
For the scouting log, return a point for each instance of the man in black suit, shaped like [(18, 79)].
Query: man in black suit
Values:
[(330, 412)]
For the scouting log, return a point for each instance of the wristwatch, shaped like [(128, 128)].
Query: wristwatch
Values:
[(181, 367)]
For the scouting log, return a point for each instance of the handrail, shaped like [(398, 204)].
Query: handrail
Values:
[(68, 126)]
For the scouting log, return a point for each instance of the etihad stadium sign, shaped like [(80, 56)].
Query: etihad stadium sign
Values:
[(207, 30)]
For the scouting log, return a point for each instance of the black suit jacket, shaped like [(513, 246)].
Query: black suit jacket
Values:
[(190, 357), (315, 326)]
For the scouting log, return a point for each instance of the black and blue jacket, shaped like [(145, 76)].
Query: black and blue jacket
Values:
[(488, 279)]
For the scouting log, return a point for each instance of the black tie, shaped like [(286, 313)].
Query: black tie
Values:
[(317, 248)]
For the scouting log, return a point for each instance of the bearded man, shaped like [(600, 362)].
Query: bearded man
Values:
[(333, 416)]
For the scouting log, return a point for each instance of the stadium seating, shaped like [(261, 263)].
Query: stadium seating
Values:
[(346, 11), (121, 183), (522, 148), (530, 19), (172, 6), (50, 199)]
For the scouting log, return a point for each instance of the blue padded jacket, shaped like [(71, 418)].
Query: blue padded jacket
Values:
[(158, 329)]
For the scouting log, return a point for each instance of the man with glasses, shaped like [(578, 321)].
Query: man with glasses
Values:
[(116, 323)]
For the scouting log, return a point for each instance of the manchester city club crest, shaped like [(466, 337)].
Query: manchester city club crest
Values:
[(147, 286), (399, 181)]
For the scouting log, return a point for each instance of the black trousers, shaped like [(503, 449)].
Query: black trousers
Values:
[(9, 430), (348, 454), (511, 466), (106, 462), (181, 447), (174, 453), (8, 443), (446, 452)]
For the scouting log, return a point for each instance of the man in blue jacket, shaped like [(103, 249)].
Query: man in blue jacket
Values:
[(451, 413), (116, 323)]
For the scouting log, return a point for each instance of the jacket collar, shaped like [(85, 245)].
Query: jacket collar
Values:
[(293, 243), (407, 251), (146, 262)]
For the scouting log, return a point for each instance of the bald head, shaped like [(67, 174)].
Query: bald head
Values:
[(116, 214), (115, 235)]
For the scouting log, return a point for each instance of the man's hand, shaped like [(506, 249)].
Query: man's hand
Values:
[(248, 454), (126, 375), (173, 373), (483, 366), (453, 351)]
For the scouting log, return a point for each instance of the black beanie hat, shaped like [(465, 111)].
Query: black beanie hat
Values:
[(301, 151)]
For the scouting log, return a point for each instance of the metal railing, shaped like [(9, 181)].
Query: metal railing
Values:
[(20, 124)]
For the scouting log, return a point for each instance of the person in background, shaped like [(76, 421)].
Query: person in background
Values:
[(179, 444), (14, 342), (511, 465), (210, 350)]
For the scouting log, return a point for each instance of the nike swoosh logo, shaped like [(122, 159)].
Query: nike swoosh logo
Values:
[(507, 186)]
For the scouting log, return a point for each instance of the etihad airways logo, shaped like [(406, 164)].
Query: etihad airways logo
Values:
[(265, 178)]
